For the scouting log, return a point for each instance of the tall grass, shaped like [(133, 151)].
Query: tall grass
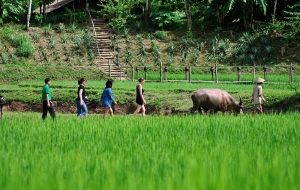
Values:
[(190, 152)]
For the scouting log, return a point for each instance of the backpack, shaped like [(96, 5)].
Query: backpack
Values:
[(2, 99)]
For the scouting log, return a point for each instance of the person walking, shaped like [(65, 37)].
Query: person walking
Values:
[(257, 96), (47, 100), (81, 98), (107, 98), (140, 98)]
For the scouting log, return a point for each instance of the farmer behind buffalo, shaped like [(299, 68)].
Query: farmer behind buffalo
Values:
[(257, 96)]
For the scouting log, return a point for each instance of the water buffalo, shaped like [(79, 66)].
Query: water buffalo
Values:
[(216, 100)]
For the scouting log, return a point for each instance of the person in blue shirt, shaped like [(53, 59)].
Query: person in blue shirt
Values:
[(107, 98)]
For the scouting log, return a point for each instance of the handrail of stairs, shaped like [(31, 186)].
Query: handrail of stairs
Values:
[(94, 30)]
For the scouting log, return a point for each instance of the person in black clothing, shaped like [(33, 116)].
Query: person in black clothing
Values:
[(81, 98), (140, 98)]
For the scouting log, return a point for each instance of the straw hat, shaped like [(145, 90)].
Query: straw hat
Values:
[(260, 80)]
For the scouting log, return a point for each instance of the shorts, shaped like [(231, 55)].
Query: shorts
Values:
[(139, 101), (106, 105)]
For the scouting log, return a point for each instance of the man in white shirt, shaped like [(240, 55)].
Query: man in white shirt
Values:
[(257, 96)]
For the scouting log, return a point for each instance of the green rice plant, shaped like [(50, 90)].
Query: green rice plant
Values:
[(81, 61), (64, 38), (126, 31), (88, 40), (91, 54), (170, 60), (44, 54), (200, 46), (171, 48), (13, 40), (139, 40), (60, 28), (195, 56), (154, 46), (47, 30), (156, 152), (142, 51), (36, 37), (77, 41), (73, 28), (138, 25), (5, 58), (51, 43), (161, 34)]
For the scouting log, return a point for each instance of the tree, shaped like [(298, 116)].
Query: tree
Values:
[(247, 8), (28, 15), (274, 12), (11, 10), (147, 12), (188, 12)]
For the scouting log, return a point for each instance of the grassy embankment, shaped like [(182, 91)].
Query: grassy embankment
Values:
[(60, 55), (159, 95)]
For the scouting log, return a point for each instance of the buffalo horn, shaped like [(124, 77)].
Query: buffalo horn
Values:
[(240, 100)]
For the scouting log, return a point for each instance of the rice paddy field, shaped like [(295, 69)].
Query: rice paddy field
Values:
[(156, 152)]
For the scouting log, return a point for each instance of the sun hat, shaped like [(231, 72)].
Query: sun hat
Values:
[(260, 80)]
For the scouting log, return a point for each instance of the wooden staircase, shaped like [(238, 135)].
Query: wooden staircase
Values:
[(102, 48)]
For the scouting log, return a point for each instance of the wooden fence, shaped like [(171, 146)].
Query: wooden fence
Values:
[(216, 74)]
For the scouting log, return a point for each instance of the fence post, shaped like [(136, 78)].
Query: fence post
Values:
[(291, 73), (186, 69), (166, 73), (216, 72), (212, 73), (190, 74), (132, 73), (145, 70), (160, 72), (253, 74), (137, 73), (239, 73), (265, 70)]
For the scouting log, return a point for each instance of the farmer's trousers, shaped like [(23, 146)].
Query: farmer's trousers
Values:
[(46, 109)]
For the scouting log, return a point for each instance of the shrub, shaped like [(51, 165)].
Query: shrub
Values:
[(138, 25), (36, 37), (161, 34), (61, 27), (24, 49)]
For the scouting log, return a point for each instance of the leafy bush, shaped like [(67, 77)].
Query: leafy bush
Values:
[(138, 25), (251, 50), (161, 34), (24, 49), (167, 19), (38, 19)]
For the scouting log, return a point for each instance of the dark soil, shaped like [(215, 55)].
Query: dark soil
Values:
[(93, 108), (119, 109)]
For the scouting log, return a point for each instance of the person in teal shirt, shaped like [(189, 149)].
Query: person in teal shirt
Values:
[(47, 100)]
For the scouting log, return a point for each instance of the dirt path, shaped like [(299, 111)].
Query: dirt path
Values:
[(121, 109), (93, 107)]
